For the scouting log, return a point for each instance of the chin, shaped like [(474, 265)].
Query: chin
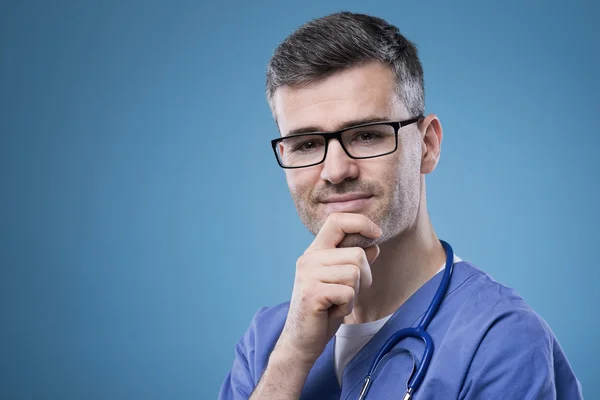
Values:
[(357, 240)]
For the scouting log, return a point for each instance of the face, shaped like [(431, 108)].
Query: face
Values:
[(391, 183)]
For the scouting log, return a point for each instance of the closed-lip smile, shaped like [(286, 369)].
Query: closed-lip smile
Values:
[(346, 197), (350, 202)]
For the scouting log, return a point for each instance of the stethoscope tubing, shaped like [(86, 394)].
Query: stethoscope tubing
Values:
[(419, 333)]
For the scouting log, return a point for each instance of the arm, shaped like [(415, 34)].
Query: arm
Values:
[(327, 281), (283, 378), (519, 358), (259, 350), (239, 381)]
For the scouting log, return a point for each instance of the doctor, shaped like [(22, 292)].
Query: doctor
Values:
[(346, 92)]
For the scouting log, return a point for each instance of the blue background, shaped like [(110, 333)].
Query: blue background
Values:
[(144, 219)]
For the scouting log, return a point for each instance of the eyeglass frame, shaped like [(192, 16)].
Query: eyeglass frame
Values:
[(327, 136)]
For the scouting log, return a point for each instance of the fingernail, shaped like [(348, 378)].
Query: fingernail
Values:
[(377, 230)]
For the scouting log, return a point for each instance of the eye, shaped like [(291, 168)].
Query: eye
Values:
[(307, 145), (366, 136)]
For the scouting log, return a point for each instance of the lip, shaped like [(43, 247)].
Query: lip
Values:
[(347, 203), (346, 197)]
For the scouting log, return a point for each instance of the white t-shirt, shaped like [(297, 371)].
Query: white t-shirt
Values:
[(350, 338)]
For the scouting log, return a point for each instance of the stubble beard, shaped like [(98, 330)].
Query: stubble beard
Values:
[(393, 212)]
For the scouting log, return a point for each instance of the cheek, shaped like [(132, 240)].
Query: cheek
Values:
[(409, 162), (400, 173), (300, 181), (388, 171)]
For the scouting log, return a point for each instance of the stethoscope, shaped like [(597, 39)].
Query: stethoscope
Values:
[(418, 332)]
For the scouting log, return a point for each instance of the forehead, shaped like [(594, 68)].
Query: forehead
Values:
[(362, 92)]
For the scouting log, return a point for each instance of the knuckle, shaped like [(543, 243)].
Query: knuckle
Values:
[(301, 262), (349, 306), (354, 273), (358, 253), (349, 294)]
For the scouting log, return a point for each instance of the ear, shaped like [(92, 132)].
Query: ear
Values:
[(431, 142)]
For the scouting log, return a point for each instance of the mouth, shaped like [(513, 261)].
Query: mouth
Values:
[(347, 203)]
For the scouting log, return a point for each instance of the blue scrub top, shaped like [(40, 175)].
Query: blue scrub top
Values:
[(488, 344)]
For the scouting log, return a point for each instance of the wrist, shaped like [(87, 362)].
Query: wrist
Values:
[(291, 357), (283, 378)]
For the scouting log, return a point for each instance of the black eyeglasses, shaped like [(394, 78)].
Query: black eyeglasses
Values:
[(371, 140)]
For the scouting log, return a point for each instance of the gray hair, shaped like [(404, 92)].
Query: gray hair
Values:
[(330, 44)]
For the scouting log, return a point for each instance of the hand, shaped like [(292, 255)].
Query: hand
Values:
[(327, 282)]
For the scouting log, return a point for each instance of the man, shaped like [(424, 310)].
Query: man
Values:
[(376, 262)]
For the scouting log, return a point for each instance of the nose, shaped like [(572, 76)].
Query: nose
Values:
[(338, 166)]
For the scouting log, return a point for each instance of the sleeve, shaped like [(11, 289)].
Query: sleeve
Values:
[(519, 358), (239, 381)]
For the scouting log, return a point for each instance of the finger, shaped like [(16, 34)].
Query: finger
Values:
[(341, 311), (348, 275), (336, 295), (356, 256), (338, 225), (346, 255)]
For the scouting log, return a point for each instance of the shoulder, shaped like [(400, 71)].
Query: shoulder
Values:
[(267, 324), (489, 298), (513, 346), (491, 313), (260, 338), (268, 316), (489, 306), (252, 352)]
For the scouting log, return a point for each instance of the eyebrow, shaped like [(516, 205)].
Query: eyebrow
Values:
[(347, 124)]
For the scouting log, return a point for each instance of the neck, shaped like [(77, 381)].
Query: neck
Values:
[(405, 263)]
